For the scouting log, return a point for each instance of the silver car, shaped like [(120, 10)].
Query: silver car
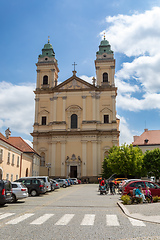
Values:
[(62, 182), (19, 191)]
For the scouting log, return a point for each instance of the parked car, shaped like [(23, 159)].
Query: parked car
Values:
[(119, 180), (35, 186), (62, 182), (69, 184), (79, 181), (52, 185), (154, 188), (71, 181), (75, 180), (19, 191), (55, 183), (46, 181), (5, 192)]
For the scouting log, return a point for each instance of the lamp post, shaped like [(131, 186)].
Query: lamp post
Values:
[(48, 165)]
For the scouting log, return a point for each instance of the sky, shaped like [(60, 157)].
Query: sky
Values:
[(76, 28)]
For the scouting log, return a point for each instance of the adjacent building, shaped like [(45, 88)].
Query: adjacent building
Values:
[(75, 121), (148, 140), (17, 158)]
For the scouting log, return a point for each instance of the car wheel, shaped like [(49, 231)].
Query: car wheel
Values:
[(14, 198), (64, 185), (33, 193), (53, 188)]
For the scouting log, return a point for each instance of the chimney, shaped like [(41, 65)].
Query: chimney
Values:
[(135, 138), (146, 129)]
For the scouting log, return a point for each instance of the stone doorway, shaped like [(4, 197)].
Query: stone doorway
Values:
[(73, 171)]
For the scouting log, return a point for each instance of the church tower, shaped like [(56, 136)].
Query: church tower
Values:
[(75, 121)]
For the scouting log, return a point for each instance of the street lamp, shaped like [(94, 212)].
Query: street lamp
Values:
[(48, 165)]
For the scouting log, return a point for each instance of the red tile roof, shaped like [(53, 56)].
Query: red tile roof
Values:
[(148, 137)]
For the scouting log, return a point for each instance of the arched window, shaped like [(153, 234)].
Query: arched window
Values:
[(73, 121), (45, 80), (105, 77)]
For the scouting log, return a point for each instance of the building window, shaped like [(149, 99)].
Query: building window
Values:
[(16, 177), (42, 161), (7, 176), (105, 77), (18, 161), (106, 118), (44, 120), (27, 172), (73, 121), (1, 155), (45, 80), (12, 159), (11, 177), (8, 160)]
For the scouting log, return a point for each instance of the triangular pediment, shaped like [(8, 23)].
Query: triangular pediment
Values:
[(73, 83)]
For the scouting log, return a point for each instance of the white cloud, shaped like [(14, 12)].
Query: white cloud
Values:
[(136, 34), (86, 78), (126, 136), (17, 107)]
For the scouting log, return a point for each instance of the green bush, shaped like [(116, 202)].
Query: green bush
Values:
[(126, 200), (155, 199)]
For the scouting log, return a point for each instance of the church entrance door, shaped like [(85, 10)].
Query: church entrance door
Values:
[(73, 171)]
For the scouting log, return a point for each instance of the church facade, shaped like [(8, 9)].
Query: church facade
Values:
[(75, 121)]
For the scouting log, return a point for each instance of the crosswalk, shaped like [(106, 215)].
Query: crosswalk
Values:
[(87, 219)]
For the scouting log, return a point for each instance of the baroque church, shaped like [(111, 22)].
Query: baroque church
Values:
[(75, 121)]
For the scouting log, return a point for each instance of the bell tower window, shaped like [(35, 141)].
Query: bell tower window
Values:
[(105, 77), (45, 80), (74, 121)]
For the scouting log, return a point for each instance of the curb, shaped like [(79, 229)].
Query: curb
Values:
[(151, 219)]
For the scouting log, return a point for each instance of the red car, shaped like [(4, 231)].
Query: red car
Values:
[(154, 188), (79, 181)]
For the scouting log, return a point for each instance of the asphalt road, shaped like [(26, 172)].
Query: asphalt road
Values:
[(77, 212)]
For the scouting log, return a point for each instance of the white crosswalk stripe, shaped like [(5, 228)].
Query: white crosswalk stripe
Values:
[(137, 223), (88, 219), (112, 220), (42, 219), (20, 219), (65, 219), (5, 215)]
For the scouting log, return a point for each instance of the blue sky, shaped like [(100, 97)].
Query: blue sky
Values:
[(75, 28)]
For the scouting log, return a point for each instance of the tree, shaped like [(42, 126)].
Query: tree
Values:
[(125, 159), (152, 162)]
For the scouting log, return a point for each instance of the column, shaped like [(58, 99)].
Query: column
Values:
[(84, 108), (55, 109), (99, 157), (63, 154), (113, 108), (51, 109), (52, 78), (38, 78), (64, 109), (94, 154), (94, 107), (52, 157), (84, 158), (36, 110), (97, 108)]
